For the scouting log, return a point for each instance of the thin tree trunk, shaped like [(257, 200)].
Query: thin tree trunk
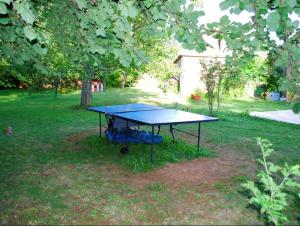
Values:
[(86, 89), (123, 82), (104, 84), (219, 92), (56, 84)]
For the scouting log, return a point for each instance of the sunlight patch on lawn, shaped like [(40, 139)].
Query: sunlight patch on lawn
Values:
[(167, 99), (75, 92), (9, 98), (236, 111)]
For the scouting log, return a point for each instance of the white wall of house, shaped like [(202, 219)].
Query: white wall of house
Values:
[(189, 63), (190, 75)]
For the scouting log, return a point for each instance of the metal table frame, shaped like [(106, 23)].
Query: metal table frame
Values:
[(116, 110), (172, 128)]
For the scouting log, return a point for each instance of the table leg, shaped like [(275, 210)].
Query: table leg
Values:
[(171, 130), (100, 125), (158, 130), (152, 141), (124, 149), (126, 134), (199, 127)]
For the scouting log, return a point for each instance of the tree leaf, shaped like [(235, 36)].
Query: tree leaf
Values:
[(23, 9), (132, 11), (128, 9), (227, 4), (81, 4), (212, 25), (147, 3), (30, 33), (97, 49), (41, 68), (6, 1), (273, 21), (296, 108), (123, 57), (295, 24), (3, 9), (100, 32), (39, 50), (291, 3), (224, 20), (4, 21)]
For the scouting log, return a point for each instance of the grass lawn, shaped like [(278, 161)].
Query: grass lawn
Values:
[(55, 170)]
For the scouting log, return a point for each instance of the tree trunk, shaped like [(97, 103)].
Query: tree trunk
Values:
[(104, 83), (124, 80), (56, 84), (86, 89)]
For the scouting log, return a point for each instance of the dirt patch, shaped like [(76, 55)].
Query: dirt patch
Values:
[(196, 172), (74, 139), (204, 171)]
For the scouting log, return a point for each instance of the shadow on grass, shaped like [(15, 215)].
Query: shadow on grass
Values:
[(122, 96)]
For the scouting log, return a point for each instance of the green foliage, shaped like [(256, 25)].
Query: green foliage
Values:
[(10, 77), (212, 73), (89, 34), (30, 33), (271, 196), (24, 9), (260, 91), (112, 35), (21, 39), (240, 70), (161, 66), (94, 33), (261, 72), (255, 35), (118, 28), (296, 105), (235, 79), (273, 21), (121, 77), (198, 92)]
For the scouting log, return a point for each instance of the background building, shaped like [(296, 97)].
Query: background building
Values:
[(189, 63)]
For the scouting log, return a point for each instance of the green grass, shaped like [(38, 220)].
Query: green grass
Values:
[(138, 159), (48, 178)]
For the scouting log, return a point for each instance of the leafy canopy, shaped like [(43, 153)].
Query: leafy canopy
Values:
[(267, 18)]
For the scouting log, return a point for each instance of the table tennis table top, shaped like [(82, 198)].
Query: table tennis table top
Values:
[(152, 115), (124, 108), (164, 117)]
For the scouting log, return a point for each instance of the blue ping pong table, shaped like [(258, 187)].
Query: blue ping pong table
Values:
[(134, 115)]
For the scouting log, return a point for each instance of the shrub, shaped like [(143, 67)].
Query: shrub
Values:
[(260, 90), (269, 193), (198, 92), (296, 105), (296, 108), (212, 74)]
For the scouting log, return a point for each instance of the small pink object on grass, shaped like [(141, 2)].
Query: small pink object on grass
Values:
[(9, 130)]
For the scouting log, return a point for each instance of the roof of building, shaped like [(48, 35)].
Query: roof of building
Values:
[(193, 53), (216, 50)]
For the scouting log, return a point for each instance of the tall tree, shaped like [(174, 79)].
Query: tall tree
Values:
[(91, 31)]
